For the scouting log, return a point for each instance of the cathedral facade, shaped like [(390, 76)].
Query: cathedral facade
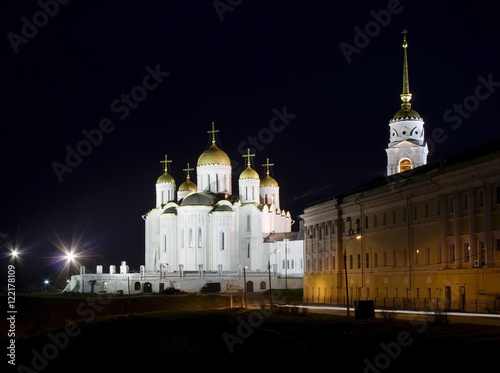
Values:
[(207, 232), (206, 226)]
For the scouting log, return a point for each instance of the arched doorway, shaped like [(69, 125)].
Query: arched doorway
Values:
[(148, 288), (250, 286), (405, 165)]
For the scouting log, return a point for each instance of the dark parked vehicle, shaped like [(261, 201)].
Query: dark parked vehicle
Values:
[(170, 290), (210, 287)]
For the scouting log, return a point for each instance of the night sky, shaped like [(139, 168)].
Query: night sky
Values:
[(86, 66)]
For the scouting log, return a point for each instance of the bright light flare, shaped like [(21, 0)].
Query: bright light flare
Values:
[(70, 256)]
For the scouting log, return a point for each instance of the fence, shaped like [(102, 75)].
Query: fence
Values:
[(492, 306)]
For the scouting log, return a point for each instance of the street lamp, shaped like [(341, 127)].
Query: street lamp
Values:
[(286, 264), (245, 283), (270, 288), (358, 237)]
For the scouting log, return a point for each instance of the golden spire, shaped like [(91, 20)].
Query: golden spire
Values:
[(188, 169), (166, 161), (213, 131), (267, 165), (248, 155), (406, 95)]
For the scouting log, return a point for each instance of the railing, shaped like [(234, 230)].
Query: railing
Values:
[(431, 304)]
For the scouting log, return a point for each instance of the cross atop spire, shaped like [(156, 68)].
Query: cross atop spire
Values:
[(267, 165), (406, 95), (248, 155), (166, 161), (188, 169), (213, 132)]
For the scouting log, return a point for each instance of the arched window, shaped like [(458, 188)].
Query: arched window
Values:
[(405, 165), (137, 286)]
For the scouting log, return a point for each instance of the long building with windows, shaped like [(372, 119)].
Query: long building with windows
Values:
[(427, 235)]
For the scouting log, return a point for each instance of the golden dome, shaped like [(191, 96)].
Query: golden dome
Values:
[(249, 173), (165, 178), (268, 181), (188, 186), (213, 155), (406, 114)]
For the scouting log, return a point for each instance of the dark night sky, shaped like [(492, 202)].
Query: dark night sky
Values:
[(262, 55)]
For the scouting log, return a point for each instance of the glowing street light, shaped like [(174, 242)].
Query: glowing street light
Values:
[(358, 237), (269, 267), (70, 256)]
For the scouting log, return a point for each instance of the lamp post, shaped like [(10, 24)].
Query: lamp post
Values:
[(270, 288), (245, 283), (345, 271), (286, 264)]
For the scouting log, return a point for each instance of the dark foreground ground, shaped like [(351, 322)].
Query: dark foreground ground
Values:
[(99, 335)]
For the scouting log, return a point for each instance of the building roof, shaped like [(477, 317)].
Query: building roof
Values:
[(273, 237), (442, 165)]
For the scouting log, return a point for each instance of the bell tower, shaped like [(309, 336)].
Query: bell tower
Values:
[(407, 148)]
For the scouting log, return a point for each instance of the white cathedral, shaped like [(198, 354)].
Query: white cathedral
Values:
[(205, 227), (204, 232)]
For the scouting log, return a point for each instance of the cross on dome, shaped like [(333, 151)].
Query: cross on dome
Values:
[(188, 169), (213, 132), (248, 155), (267, 165), (167, 161)]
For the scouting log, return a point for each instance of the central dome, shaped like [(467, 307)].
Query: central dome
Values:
[(213, 155)]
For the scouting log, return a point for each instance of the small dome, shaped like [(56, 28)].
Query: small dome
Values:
[(188, 186), (213, 155), (197, 199), (170, 210), (268, 181), (249, 173), (165, 178), (405, 114), (222, 208)]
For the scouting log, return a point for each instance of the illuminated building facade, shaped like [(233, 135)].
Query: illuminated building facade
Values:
[(203, 232), (428, 234)]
